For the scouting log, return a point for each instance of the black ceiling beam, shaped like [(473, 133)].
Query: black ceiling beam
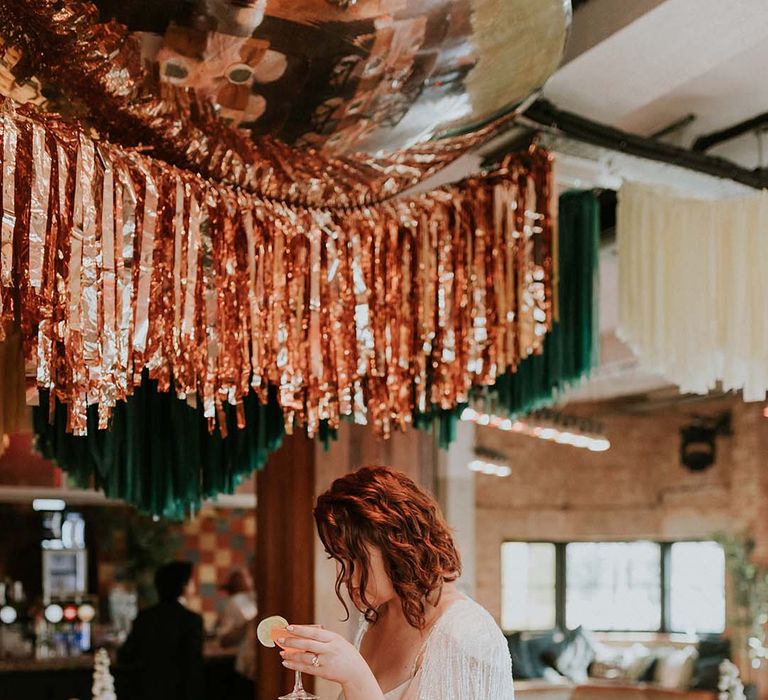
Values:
[(707, 141), (674, 127), (544, 115)]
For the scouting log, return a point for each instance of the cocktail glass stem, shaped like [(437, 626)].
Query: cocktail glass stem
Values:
[(298, 692)]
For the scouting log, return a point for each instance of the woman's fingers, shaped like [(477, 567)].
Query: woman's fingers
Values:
[(304, 657), (291, 643), (296, 663), (317, 633)]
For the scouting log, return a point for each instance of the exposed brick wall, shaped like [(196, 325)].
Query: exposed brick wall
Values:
[(636, 490)]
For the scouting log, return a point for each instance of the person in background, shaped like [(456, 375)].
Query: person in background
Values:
[(236, 628), (164, 650)]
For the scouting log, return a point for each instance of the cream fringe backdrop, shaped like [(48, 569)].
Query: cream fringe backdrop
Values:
[(693, 288)]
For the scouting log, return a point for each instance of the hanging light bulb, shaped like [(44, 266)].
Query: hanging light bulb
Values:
[(599, 445), (490, 465), (547, 425), (469, 414)]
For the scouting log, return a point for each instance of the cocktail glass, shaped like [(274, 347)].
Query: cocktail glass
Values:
[(298, 692)]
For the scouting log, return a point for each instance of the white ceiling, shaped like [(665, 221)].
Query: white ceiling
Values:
[(641, 65)]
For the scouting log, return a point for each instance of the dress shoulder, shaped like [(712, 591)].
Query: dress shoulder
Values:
[(466, 657), (469, 629)]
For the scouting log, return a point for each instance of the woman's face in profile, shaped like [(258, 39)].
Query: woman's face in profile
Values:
[(379, 588)]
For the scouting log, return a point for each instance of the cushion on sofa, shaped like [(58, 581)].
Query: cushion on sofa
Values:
[(674, 671), (522, 668), (576, 654), (706, 674), (544, 649), (638, 662), (649, 675), (706, 669), (533, 652)]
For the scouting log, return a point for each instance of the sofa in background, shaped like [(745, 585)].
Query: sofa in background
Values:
[(578, 665), (606, 690)]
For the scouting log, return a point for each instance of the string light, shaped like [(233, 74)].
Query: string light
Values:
[(489, 468), (8, 615), (54, 613), (544, 426)]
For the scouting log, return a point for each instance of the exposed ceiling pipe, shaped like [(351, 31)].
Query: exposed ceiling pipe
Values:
[(707, 141), (543, 115)]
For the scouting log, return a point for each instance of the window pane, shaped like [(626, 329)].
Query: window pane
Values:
[(527, 586), (613, 585), (697, 587)]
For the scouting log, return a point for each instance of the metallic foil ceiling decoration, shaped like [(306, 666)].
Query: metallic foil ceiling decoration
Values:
[(348, 76), (239, 163)]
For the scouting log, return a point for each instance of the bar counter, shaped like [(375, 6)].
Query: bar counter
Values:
[(71, 678)]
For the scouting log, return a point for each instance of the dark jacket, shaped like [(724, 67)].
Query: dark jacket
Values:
[(163, 654)]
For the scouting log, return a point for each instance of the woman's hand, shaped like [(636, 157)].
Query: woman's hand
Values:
[(323, 653)]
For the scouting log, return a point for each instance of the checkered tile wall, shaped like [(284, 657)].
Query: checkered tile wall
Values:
[(217, 541)]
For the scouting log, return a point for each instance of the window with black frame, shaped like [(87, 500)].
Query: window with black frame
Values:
[(637, 586)]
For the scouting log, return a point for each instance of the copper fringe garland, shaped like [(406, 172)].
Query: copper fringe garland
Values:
[(121, 263)]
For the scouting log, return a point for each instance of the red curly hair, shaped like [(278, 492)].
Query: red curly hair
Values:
[(382, 507)]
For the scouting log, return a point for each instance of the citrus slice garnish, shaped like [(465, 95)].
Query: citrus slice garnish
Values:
[(264, 630)]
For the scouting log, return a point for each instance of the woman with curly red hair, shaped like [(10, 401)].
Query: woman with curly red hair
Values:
[(420, 638)]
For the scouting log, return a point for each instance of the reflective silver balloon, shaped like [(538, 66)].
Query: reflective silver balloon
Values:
[(352, 75)]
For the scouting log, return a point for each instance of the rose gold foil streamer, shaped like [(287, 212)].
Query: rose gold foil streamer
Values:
[(315, 345), (193, 245), (404, 339), (41, 187), (364, 334), (73, 337), (504, 221), (46, 334), (51, 331), (333, 300), (125, 240), (422, 311), (295, 371), (233, 272), (146, 251), (108, 396), (209, 304), (479, 333), (160, 350), (233, 277), (445, 311), (178, 263), (253, 292), (84, 170), (277, 331), (395, 380), (91, 251), (260, 320), (10, 143)]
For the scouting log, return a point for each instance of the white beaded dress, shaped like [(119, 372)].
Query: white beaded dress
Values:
[(465, 657)]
